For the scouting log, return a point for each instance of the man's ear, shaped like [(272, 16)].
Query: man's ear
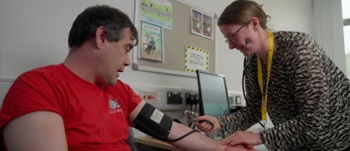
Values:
[(100, 37)]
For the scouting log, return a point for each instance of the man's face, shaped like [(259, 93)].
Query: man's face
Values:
[(114, 58)]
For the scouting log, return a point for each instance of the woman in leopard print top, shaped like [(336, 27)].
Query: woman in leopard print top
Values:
[(308, 96)]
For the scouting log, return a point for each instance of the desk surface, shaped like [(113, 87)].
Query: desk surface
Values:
[(150, 141)]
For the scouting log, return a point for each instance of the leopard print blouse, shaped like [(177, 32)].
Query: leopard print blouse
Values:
[(308, 98)]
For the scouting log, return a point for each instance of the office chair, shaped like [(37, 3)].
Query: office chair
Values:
[(131, 141)]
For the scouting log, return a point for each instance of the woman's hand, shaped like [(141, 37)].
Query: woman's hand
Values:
[(206, 127), (244, 138)]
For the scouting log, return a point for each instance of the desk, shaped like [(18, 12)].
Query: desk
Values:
[(152, 142)]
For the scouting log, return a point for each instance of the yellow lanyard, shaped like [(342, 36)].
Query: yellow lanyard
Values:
[(260, 78)]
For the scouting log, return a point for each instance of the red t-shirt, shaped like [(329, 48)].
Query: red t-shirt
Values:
[(95, 117)]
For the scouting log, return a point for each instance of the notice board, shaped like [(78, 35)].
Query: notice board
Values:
[(174, 35)]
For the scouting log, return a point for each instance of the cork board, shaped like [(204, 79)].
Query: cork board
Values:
[(174, 40)]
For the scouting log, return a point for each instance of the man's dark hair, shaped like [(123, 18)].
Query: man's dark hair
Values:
[(86, 23)]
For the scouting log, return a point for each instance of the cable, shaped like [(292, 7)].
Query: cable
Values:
[(245, 65), (183, 136)]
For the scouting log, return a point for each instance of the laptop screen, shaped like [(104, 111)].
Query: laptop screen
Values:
[(213, 98)]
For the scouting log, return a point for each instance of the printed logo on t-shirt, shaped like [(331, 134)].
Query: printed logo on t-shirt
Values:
[(114, 106)]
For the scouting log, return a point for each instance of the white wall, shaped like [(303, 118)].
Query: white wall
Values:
[(328, 29), (34, 33)]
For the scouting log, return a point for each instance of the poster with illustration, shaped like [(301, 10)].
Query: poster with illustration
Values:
[(158, 12), (207, 26), (196, 21), (151, 45), (201, 24)]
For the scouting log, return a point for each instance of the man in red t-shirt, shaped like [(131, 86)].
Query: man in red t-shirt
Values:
[(80, 105)]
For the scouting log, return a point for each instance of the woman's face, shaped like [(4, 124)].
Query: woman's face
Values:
[(237, 37)]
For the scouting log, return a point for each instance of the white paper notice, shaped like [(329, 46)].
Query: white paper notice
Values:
[(196, 60)]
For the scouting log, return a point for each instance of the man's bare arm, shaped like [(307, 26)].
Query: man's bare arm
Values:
[(194, 141), (36, 131)]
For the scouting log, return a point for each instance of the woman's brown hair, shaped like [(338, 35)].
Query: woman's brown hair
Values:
[(241, 11)]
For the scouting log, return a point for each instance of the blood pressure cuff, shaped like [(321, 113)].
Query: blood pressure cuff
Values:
[(153, 122)]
